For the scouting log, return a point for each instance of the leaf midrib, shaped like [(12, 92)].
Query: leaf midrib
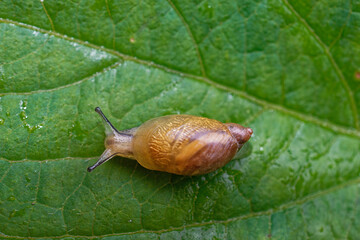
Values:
[(299, 115)]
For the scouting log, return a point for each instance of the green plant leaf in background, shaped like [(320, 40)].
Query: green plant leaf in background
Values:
[(289, 69)]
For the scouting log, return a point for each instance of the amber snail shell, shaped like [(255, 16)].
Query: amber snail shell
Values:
[(179, 144)]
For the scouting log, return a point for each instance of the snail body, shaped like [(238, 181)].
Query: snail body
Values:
[(179, 144)]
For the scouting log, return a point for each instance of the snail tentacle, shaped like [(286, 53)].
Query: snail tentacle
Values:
[(105, 156), (109, 128)]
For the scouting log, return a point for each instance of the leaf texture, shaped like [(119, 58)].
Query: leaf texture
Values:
[(288, 69)]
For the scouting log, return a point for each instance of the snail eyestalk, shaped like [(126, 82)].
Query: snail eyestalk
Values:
[(106, 156), (109, 128), (117, 143)]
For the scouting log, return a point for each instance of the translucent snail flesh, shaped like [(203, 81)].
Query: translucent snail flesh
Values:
[(179, 144)]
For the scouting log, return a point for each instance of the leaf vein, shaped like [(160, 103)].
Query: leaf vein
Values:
[(285, 146), (67, 85), (28, 54), (188, 29), (66, 199), (112, 22), (332, 61), (246, 216), (48, 16), (303, 117), (342, 27)]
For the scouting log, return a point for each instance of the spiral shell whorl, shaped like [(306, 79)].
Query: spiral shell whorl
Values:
[(184, 144)]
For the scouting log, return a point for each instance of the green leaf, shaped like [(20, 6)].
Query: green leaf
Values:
[(288, 69)]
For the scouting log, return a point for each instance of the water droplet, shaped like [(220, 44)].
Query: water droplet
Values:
[(94, 54), (22, 115), (130, 221), (12, 214), (17, 213), (32, 129), (23, 104), (261, 149), (2, 121), (7, 113), (76, 131), (27, 178), (11, 198), (206, 9)]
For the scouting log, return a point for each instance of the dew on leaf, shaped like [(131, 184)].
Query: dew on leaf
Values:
[(206, 10), (76, 131), (17, 213), (27, 178), (2, 121), (11, 198), (23, 104), (32, 129), (2, 78), (12, 214), (22, 115)]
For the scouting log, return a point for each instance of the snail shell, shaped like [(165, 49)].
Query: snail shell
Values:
[(179, 144)]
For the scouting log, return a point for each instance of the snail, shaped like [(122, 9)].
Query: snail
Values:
[(179, 144)]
